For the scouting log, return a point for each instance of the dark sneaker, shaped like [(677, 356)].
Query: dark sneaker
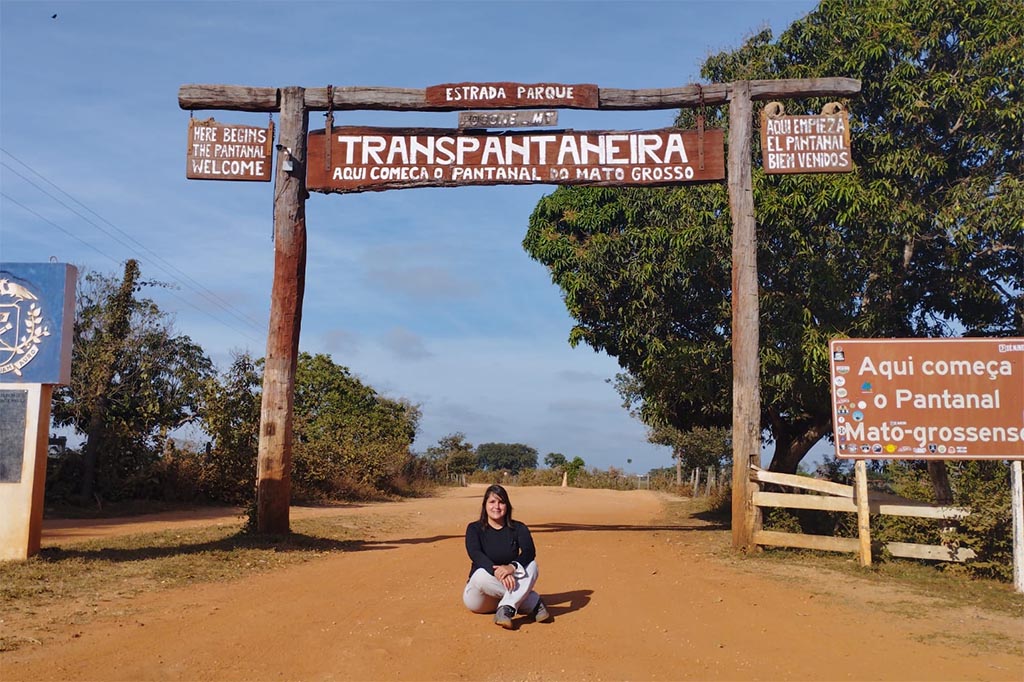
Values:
[(504, 616), (540, 612)]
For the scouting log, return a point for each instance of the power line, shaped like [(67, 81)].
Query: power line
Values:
[(166, 267), (118, 262), (209, 295), (50, 222)]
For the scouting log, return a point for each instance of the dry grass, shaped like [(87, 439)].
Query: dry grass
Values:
[(918, 578), (925, 579)]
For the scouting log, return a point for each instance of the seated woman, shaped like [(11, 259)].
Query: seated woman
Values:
[(504, 568)]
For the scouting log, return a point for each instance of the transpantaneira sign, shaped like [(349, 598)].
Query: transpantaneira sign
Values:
[(512, 95), (928, 398), (372, 159), (221, 151)]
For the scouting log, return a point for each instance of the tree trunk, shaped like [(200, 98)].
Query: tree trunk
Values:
[(112, 342), (793, 442), (940, 482), (679, 466)]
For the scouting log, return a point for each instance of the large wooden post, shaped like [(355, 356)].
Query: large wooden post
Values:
[(273, 487), (746, 387)]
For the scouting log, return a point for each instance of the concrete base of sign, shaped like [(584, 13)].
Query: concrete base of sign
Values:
[(21, 501)]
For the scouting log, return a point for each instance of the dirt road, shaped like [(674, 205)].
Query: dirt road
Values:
[(633, 598)]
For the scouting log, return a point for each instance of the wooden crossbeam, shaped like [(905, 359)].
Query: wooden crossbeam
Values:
[(245, 98)]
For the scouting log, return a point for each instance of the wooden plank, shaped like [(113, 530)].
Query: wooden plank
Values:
[(719, 93), (224, 151), (803, 88), (228, 97), (508, 119), (920, 511), (746, 380), (244, 98), (274, 460), (375, 159), (512, 95), (842, 504), (806, 144), (863, 512), (894, 505), (798, 501), (616, 99), (826, 543), (910, 550), (803, 482)]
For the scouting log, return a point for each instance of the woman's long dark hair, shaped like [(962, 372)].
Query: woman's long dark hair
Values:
[(502, 494)]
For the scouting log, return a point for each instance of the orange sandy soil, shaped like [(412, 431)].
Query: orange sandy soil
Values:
[(634, 597)]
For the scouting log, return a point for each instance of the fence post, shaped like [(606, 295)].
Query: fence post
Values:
[(1017, 510), (863, 514)]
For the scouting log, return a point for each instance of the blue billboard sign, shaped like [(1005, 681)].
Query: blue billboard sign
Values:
[(37, 316)]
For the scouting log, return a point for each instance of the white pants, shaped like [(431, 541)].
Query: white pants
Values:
[(484, 593)]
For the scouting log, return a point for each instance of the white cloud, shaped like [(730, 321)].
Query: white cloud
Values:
[(405, 345), (419, 283)]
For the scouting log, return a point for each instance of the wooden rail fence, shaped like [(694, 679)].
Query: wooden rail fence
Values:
[(829, 496)]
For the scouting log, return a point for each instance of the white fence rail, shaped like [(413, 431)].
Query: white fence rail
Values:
[(829, 496)]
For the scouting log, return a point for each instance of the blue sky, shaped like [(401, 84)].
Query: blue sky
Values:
[(425, 294)]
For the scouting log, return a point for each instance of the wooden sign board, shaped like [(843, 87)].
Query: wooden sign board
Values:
[(806, 144), (508, 119), (220, 151), (513, 95), (373, 159), (928, 398)]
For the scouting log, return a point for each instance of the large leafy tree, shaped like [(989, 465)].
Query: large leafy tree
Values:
[(694, 449), (511, 456), (345, 432), (452, 455), (555, 460), (348, 438), (231, 417), (925, 238), (133, 380)]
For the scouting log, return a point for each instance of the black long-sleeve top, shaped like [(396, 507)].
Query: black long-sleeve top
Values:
[(488, 547)]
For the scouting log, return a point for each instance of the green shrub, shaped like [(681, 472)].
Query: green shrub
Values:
[(551, 477), (983, 487)]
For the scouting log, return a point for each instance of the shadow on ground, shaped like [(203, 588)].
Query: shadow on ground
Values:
[(292, 542)]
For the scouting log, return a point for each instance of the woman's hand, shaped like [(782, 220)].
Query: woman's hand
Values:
[(506, 574)]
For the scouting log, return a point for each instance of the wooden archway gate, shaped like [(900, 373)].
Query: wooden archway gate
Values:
[(290, 192)]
